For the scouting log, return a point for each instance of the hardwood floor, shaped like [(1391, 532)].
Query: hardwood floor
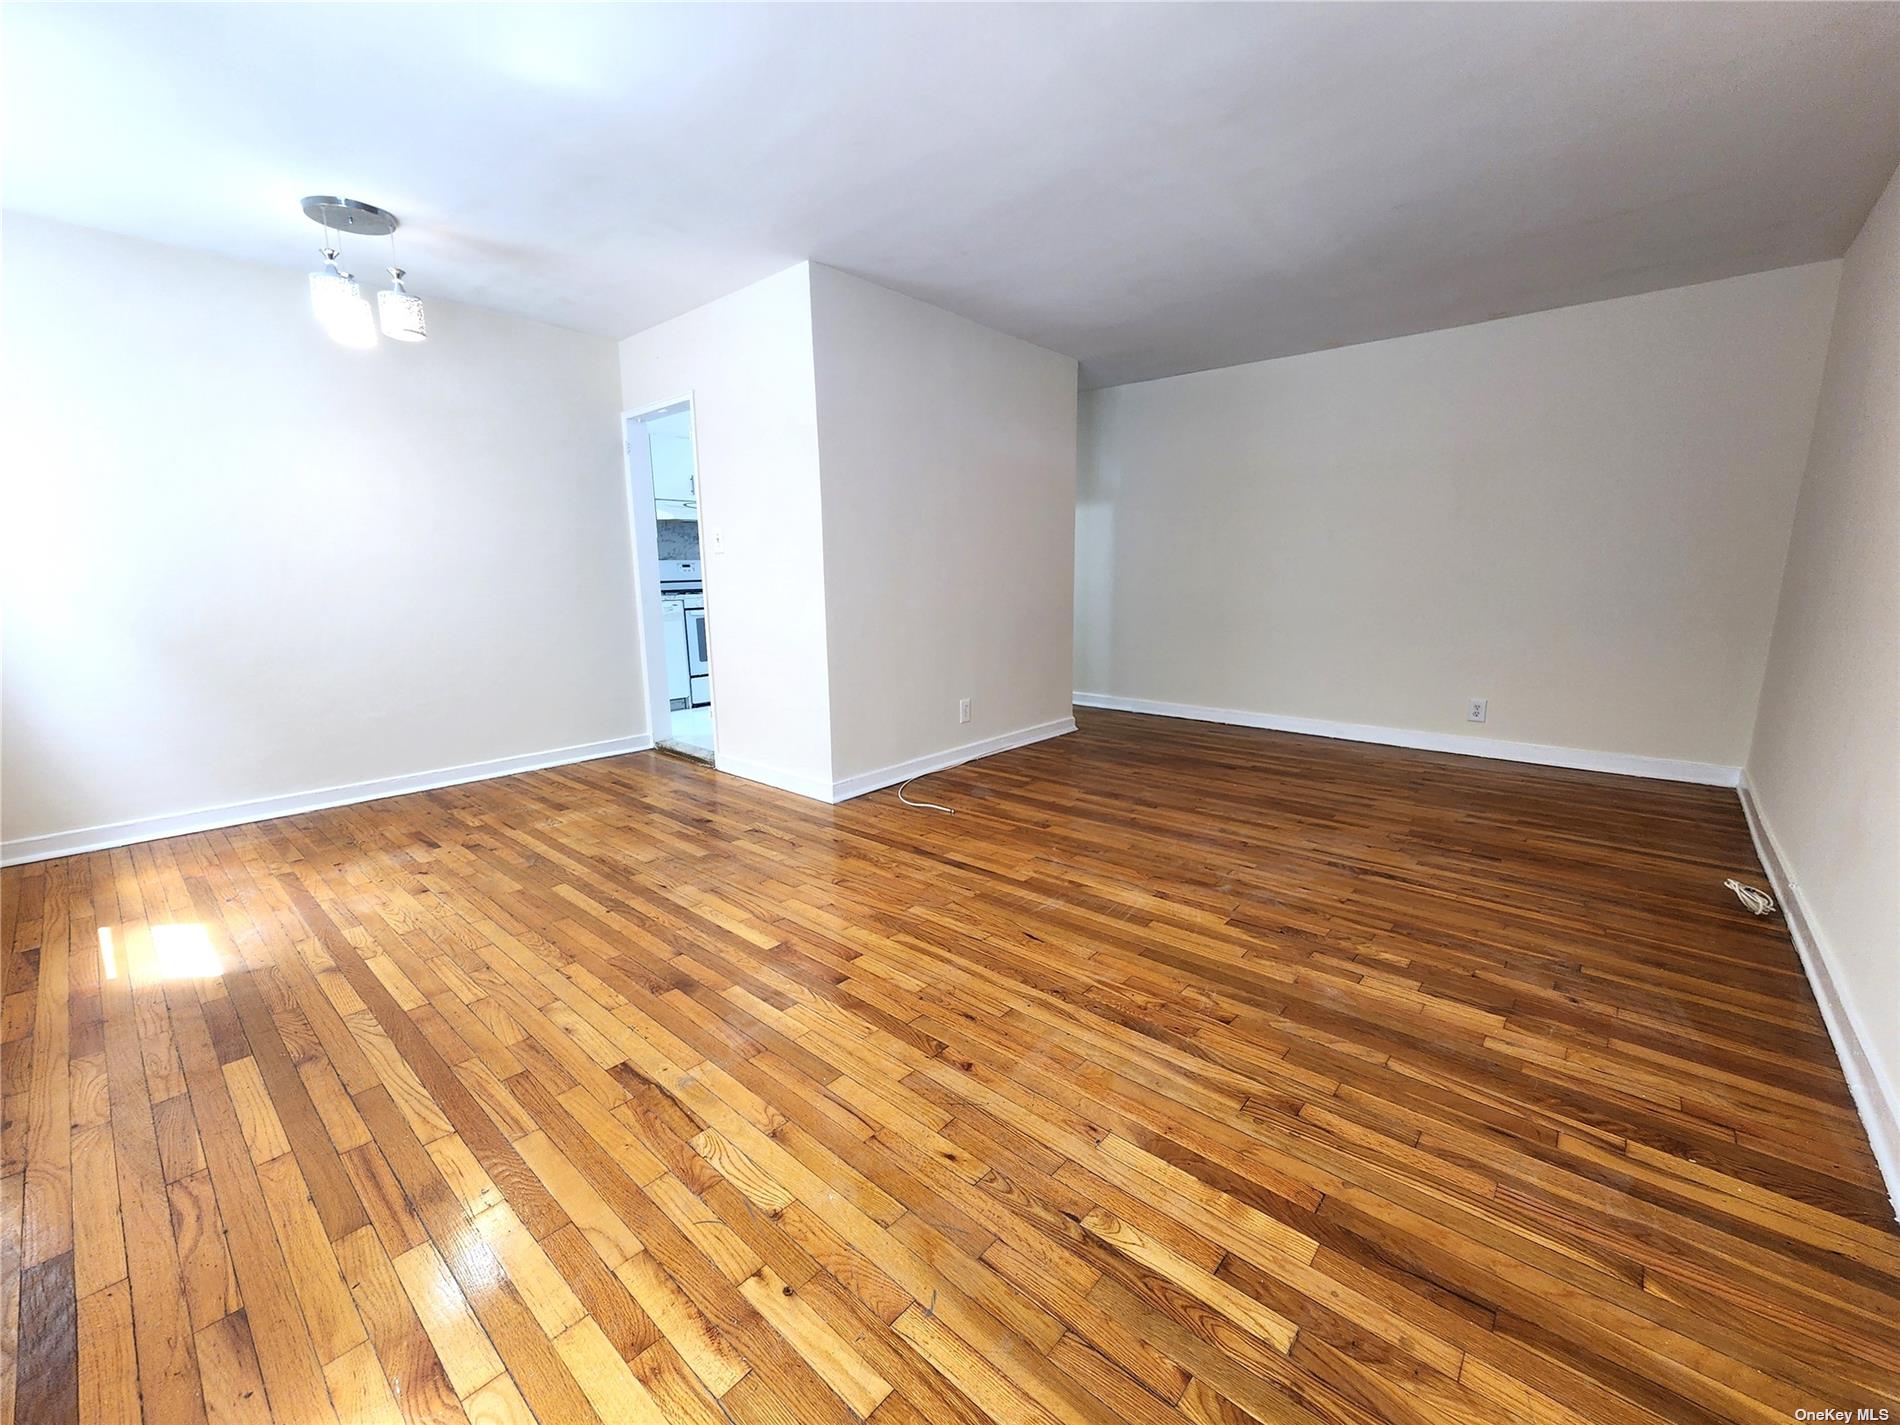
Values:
[(1186, 1073)]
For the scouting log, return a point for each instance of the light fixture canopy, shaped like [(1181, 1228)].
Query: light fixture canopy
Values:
[(347, 215)]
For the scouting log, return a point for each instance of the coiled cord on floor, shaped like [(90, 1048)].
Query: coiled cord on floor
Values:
[(1759, 902), (934, 806)]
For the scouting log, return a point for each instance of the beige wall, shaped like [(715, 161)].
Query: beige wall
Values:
[(947, 453), (1580, 515), (1825, 766), (746, 362), (242, 562)]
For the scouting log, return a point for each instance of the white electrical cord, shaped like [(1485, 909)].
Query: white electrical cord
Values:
[(934, 806), (1758, 902)]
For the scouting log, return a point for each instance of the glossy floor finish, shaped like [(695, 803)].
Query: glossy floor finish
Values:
[(1186, 1073)]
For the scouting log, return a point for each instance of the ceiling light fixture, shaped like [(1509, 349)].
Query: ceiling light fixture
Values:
[(338, 302)]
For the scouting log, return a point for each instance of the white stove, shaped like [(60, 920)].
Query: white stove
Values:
[(683, 631)]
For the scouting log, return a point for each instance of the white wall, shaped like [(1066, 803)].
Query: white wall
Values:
[(1825, 767), (242, 562), (746, 362), (1581, 515), (947, 456)]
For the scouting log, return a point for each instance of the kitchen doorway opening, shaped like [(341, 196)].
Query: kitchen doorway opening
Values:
[(664, 501)]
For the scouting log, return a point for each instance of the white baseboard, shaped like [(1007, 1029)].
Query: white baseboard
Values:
[(154, 828), (1627, 764), (950, 757), (797, 783), (1867, 1078)]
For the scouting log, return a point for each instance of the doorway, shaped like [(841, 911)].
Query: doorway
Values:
[(664, 490)]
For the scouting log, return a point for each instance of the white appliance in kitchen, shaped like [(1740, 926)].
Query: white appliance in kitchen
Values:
[(683, 632)]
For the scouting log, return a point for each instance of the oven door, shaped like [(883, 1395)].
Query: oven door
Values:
[(697, 663)]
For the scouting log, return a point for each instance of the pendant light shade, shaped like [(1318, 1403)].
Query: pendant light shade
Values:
[(340, 306), (329, 288), (354, 324), (401, 311)]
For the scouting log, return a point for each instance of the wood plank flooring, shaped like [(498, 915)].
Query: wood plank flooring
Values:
[(1187, 1073)]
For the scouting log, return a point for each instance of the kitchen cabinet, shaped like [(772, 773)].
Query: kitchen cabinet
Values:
[(673, 471), (674, 495)]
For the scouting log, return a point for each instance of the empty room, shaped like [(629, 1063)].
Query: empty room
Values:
[(925, 714)]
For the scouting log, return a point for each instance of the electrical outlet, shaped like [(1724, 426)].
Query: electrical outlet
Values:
[(1477, 710), (963, 710)]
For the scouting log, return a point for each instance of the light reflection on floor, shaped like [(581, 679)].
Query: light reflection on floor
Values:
[(181, 951)]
